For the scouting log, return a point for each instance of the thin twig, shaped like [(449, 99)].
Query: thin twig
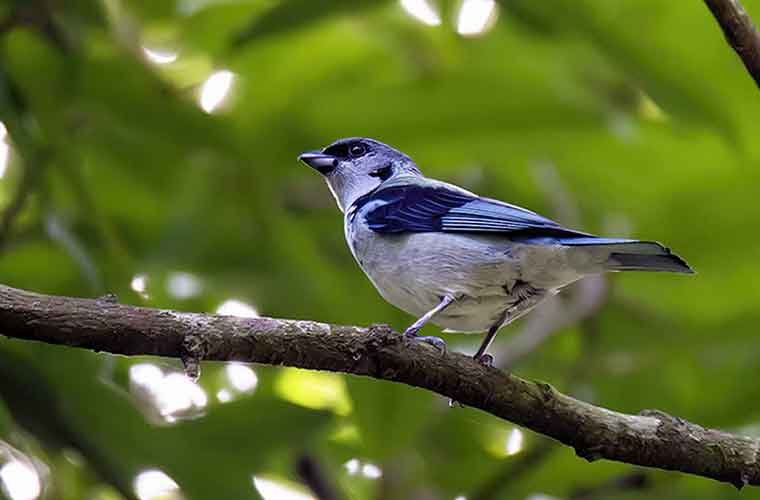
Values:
[(492, 488), (314, 476), (635, 480), (651, 438), (740, 32)]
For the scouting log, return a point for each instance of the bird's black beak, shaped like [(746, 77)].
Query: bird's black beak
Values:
[(317, 160)]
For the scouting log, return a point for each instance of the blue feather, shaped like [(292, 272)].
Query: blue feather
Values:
[(438, 208)]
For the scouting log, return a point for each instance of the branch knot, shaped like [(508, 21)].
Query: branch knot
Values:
[(194, 350)]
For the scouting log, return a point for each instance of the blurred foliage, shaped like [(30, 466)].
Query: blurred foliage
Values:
[(640, 106)]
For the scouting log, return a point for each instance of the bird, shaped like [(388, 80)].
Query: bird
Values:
[(455, 259)]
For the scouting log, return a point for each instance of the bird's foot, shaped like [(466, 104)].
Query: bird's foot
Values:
[(484, 359), (434, 341), (411, 334), (411, 331)]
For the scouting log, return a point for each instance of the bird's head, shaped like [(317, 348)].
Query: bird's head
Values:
[(355, 166)]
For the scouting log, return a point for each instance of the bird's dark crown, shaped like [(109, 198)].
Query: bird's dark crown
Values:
[(342, 148)]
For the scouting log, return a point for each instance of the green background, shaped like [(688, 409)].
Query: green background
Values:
[(622, 117)]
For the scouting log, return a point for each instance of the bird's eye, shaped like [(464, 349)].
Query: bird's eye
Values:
[(357, 150)]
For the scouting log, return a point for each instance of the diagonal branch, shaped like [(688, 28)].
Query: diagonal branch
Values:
[(740, 33), (513, 470), (651, 439)]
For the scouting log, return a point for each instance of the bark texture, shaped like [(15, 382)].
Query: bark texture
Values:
[(741, 33), (651, 438)]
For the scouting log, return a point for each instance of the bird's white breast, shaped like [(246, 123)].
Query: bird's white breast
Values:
[(414, 270)]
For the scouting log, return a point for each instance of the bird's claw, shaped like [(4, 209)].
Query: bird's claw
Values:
[(434, 341), (437, 342), (485, 360), (411, 332)]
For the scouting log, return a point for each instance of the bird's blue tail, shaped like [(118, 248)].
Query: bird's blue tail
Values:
[(630, 255)]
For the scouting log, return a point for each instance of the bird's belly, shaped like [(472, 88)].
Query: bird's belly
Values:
[(473, 314), (414, 271), (470, 313)]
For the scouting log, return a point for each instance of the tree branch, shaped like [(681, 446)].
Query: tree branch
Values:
[(651, 439), (740, 33)]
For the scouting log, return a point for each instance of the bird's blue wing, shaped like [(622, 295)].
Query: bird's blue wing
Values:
[(409, 208), (440, 208), (483, 214)]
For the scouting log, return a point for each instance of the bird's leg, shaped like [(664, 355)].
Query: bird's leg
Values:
[(525, 303), (481, 356), (411, 332)]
